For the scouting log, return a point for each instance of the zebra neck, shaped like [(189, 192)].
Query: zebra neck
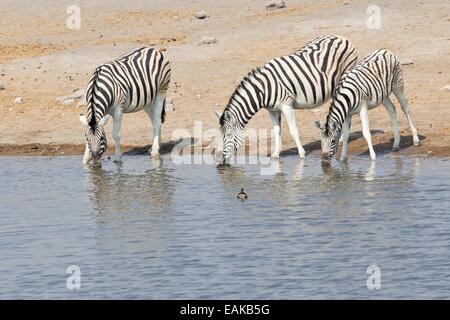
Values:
[(243, 111), (339, 111), (334, 124), (100, 105), (95, 114), (334, 127)]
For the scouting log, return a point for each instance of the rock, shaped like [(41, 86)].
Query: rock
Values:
[(207, 40), (405, 62), (444, 88), (18, 100), (275, 4), (68, 102), (2, 86), (70, 99), (201, 15)]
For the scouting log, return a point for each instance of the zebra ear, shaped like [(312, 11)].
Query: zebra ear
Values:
[(226, 115), (218, 114), (319, 125), (103, 121), (83, 120)]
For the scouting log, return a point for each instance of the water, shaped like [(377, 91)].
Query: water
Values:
[(149, 229)]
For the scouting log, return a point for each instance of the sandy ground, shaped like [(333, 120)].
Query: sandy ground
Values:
[(41, 59)]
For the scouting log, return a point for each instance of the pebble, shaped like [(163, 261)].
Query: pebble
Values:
[(275, 4), (207, 40), (18, 100), (444, 88), (201, 15), (68, 102), (2, 86)]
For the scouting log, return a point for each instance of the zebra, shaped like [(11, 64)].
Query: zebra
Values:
[(363, 88), (302, 80), (137, 80)]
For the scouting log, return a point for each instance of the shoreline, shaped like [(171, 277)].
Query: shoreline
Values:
[(382, 143)]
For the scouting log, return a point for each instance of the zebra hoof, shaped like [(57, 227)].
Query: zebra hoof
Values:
[(154, 154), (395, 148), (275, 156), (417, 143)]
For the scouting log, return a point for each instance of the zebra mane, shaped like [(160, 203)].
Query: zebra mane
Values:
[(93, 120), (246, 79), (221, 120)]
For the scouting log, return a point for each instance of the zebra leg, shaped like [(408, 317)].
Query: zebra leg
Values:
[(117, 123), (341, 139), (344, 136), (391, 110), (364, 114), (398, 92), (87, 155), (289, 114), (276, 117), (154, 111)]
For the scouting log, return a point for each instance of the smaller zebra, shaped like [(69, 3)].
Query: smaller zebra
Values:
[(363, 88), (137, 80)]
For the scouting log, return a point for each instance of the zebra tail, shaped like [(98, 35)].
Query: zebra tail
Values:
[(163, 112)]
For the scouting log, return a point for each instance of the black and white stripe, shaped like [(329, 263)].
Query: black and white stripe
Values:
[(301, 80), (135, 81), (363, 88)]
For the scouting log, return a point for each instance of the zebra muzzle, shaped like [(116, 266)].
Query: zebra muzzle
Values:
[(96, 160), (325, 157)]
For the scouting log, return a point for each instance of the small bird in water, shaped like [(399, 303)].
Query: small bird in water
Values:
[(242, 195)]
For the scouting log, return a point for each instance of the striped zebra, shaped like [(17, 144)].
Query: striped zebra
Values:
[(302, 80), (135, 81), (363, 88)]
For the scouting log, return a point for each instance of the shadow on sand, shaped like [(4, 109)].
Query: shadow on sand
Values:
[(315, 145), (386, 147), (380, 148), (165, 147)]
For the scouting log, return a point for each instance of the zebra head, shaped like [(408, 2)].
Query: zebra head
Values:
[(95, 138), (329, 138), (232, 134)]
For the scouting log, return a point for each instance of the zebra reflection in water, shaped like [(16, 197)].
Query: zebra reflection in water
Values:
[(117, 192)]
